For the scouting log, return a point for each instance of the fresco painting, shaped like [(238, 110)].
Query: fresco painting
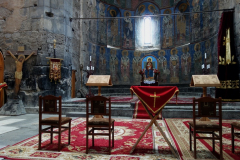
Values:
[(176, 59)]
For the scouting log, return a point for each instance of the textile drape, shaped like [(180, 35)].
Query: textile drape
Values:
[(228, 67)]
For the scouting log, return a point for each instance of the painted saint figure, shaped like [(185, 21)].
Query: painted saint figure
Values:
[(125, 66), (167, 29), (128, 30), (186, 63), (197, 59), (174, 66), (162, 61), (137, 66), (113, 65), (18, 74), (102, 61), (149, 69)]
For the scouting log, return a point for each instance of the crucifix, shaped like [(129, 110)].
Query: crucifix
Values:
[(19, 64), (154, 96)]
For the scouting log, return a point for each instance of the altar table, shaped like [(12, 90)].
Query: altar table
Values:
[(154, 98)]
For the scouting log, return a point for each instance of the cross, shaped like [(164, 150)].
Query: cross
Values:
[(154, 96)]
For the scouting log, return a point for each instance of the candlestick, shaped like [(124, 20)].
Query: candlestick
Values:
[(54, 43), (90, 58)]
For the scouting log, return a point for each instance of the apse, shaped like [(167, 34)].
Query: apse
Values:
[(121, 34)]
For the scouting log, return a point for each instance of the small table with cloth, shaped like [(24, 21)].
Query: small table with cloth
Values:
[(154, 98)]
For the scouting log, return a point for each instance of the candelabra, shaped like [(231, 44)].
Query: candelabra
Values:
[(205, 67), (90, 71)]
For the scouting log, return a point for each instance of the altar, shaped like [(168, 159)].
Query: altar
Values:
[(154, 98)]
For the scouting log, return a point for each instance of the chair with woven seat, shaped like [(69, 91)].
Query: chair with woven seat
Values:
[(52, 105), (98, 105), (207, 107), (234, 125)]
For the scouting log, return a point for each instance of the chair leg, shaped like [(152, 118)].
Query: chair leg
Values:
[(113, 135), (51, 134), (221, 150), (59, 139), (213, 143), (109, 142), (93, 136), (232, 136), (69, 133), (194, 144), (39, 140), (190, 138), (87, 140)]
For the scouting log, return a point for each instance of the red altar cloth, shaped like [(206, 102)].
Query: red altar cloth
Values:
[(155, 97), (3, 85)]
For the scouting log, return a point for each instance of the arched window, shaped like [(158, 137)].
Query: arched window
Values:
[(147, 31)]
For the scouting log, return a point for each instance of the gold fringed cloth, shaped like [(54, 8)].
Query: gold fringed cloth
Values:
[(3, 85), (55, 69), (227, 60), (155, 97)]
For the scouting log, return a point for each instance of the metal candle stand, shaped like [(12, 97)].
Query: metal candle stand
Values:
[(90, 71), (205, 70)]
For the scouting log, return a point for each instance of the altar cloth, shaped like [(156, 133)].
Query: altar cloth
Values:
[(155, 97)]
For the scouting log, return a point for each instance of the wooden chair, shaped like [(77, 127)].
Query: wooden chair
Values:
[(99, 107), (234, 125), (207, 107), (52, 105)]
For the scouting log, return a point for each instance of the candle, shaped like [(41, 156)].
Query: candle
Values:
[(208, 66), (54, 43), (202, 66), (90, 58), (205, 55), (93, 68)]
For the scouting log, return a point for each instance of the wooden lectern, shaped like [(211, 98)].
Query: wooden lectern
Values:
[(205, 81), (99, 80)]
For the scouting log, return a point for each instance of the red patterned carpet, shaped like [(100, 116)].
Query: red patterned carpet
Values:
[(180, 131), (127, 131)]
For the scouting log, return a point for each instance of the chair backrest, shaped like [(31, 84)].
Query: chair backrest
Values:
[(50, 105), (98, 105), (207, 107)]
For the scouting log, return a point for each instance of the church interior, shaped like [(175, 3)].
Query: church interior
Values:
[(119, 79)]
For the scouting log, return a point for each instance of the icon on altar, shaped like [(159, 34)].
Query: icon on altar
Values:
[(149, 64)]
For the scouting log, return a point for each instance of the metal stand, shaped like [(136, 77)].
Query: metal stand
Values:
[(90, 71)]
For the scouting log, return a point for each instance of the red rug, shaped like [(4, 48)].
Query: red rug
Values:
[(127, 131), (179, 129), (141, 113)]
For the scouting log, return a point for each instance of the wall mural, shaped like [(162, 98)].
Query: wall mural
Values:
[(128, 31), (175, 61), (113, 27)]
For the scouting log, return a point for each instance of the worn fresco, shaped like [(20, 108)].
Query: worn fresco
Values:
[(167, 28), (121, 51), (102, 37), (182, 22), (196, 21), (113, 27), (128, 41)]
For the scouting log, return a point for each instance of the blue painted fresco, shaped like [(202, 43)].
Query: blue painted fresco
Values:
[(175, 64)]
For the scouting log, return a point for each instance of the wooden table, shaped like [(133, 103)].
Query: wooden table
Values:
[(154, 105)]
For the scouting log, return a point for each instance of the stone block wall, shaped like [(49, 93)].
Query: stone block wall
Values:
[(29, 23)]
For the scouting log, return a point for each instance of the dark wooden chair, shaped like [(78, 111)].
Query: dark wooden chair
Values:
[(234, 125), (207, 107), (52, 105), (99, 107)]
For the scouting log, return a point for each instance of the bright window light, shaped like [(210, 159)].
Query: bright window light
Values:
[(147, 30)]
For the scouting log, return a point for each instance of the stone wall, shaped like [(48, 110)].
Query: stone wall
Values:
[(34, 24)]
